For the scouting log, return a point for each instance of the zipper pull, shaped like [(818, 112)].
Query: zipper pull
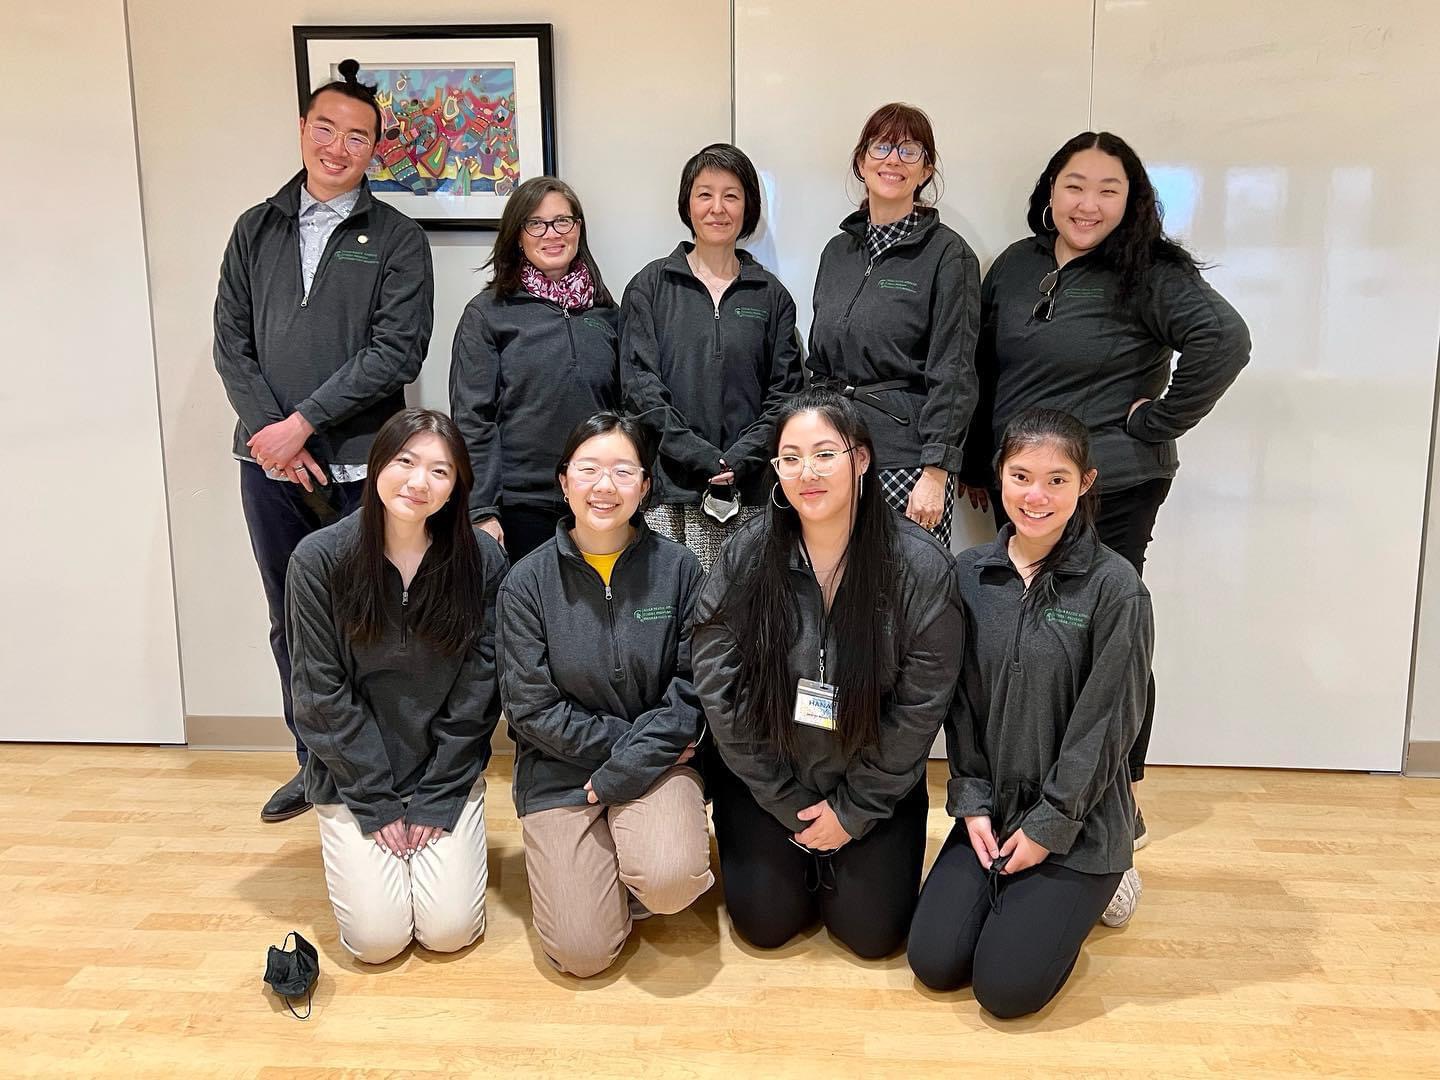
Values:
[(608, 597), (717, 314), (405, 598), (565, 311), (868, 269)]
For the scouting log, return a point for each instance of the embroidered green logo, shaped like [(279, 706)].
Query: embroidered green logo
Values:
[(654, 614), (1085, 292), (898, 283), (1066, 617), (357, 256), (598, 324), (751, 313)]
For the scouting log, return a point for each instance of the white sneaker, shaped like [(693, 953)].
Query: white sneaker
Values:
[(1125, 901)]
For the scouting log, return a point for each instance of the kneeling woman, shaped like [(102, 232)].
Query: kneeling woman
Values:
[(826, 651), (390, 614), (1052, 694), (595, 678)]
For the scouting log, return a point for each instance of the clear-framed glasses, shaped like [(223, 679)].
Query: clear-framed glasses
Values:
[(588, 474), (910, 151), (821, 463), (1046, 307), (538, 227), (354, 142)]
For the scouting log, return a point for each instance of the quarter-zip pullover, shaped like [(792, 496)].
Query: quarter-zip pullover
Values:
[(525, 371), (1094, 360), (711, 377), (392, 719), (1050, 700), (342, 353), (912, 317), (924, 632), (595, 678)]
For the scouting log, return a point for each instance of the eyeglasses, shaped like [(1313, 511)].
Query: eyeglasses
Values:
[(1046, 307), (324, 135), (587, 474), (910, 152), (822, 463), (538, 227)]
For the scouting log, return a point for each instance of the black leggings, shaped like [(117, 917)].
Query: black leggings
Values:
[(864, 893), (1125, 524), (1015, 939)]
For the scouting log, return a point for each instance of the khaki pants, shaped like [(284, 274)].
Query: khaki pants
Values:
[(584, 862), (381, 902)]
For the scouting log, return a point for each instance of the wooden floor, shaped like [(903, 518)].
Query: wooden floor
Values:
[(1290, 925)]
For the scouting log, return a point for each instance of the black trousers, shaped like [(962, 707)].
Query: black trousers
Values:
[(1126, 524), (864, 893), (1015, 939), (280, 514), (527, 527)]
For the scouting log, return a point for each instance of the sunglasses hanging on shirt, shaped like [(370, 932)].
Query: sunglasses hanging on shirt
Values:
[(1046, 307)]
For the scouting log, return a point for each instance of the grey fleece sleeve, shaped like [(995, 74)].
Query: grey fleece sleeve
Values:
[(747, 455), (658, 736), (474, 400), (716, 659), (1102, 725), (645, 391), (880, 776), (399, 334), (534, 705), (950, 387), (1213, 341), (978, 466), (333, 720), (236, 358), (462, 729), (969, 792)]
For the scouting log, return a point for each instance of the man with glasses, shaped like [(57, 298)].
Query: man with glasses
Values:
[(323, 315)]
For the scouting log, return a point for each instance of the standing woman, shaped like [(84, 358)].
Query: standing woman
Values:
[(1085, 316), (595, 677), (826, 652), (709, 355), (390, 613), (1051, 696), (897, 311), (535, 353)]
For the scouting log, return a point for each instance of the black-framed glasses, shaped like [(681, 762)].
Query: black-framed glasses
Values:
[(910, 152), (1046, 307), (324, 135), (822, 463), (538, 227)]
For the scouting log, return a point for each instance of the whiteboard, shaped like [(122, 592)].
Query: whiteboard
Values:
[(1284, 563)]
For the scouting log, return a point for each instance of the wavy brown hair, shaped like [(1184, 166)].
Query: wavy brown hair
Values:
[(896, 123), (507, 258)]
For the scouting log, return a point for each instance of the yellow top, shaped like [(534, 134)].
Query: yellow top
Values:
[(604, 564)]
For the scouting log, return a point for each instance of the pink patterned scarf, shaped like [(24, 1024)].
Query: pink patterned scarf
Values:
[(574, 291)]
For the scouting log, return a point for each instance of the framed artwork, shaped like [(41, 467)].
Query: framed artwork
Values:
[(467, 112)]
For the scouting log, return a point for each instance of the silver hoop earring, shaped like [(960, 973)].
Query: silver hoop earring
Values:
[(776, 502), (861, 493), (1047, 210)]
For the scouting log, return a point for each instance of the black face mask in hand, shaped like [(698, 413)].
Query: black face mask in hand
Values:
[(293, 974)]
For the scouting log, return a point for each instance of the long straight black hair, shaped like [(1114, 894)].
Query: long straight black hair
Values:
[(447, 597), (1139, 241), (762, 610), (1041, 427), (506, 257)]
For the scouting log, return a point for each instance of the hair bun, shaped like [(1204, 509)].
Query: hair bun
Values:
[(349, 69)]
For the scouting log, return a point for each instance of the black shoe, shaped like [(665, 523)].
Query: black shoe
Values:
[(288, 801), (1142, 835)]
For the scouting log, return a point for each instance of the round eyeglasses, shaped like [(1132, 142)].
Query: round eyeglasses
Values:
[(538, 227), (588, 474), (910, 152), (822, 463), (354, 142)]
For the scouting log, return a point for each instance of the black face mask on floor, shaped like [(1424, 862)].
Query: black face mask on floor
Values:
[(293, 974)]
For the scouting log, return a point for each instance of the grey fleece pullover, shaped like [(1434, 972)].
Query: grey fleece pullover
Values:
[(1050, 700), (393, 719)]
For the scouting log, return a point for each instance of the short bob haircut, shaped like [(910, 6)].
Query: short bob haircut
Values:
[(730, 159), (641, 435), (349, 85), (895, 123)]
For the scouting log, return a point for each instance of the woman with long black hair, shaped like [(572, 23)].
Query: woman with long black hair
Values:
[(1051, 695), (535, 353), (826, 648), (391, 621), (1084, 316)]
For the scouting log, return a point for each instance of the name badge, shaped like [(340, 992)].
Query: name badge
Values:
[(815, 704)]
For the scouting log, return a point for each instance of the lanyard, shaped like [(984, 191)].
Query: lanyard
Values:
[(824, 611)]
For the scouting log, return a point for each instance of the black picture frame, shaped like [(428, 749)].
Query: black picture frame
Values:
[(382, 50)]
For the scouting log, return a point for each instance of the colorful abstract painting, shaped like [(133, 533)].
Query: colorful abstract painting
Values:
[(445, 130)]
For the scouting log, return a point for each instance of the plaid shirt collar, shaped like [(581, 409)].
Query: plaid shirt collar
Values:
[(880, 238)]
